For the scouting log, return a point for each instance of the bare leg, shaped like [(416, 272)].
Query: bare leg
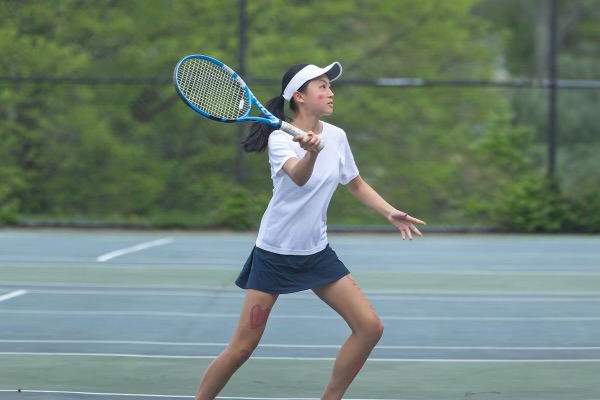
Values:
[(345, 297), (253, 319)]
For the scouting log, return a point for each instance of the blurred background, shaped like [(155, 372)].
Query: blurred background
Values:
[(469, 114)]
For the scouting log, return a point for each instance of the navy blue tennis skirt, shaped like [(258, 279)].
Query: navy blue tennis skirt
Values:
[(278, 274)]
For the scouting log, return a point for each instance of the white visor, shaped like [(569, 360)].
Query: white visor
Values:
[(333, 71)]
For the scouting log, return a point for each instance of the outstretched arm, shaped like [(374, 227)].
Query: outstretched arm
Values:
[(369, 197)]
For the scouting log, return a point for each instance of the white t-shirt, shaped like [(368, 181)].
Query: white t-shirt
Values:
[(295, 222)]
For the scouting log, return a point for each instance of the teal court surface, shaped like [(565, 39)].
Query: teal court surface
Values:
[(139, 315)]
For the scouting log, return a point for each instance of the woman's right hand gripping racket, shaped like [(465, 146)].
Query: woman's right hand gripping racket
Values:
[(215, 91)]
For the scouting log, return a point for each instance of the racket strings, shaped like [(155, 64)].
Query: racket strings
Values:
[(212, 89)]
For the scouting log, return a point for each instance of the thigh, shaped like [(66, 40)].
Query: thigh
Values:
[(346, 298), (253, 317)]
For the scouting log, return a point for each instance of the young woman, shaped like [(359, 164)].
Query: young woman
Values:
[(292, 251)]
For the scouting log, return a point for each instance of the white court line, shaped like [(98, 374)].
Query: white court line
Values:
[(168, 396), (172, 396), (234, 291), (459, 296), (12, 295), (133, 249), (236, 263), (328, 359), (499, 273), (292, 316), (184, 289), (298, 346), (153, 263), (42, 259)]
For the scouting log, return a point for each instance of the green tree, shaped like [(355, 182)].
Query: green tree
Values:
[(525, 55), (131, 151)]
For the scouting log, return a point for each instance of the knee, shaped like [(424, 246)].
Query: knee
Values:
[(241, 352), (372, 329), (377, 328)]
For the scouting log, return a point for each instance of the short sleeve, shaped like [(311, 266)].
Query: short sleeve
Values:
[(281, 149), (348, 168)]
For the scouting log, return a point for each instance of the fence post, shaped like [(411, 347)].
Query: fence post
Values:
[(552, 97), (241, 128)]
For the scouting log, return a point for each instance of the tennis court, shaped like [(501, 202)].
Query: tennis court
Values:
[(139, 315)]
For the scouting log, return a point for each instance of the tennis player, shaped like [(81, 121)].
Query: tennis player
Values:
[(292, 253)]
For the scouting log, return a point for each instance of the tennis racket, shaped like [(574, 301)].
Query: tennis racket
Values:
[(215, 91)]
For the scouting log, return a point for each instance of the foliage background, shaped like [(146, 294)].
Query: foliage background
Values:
[(92, 130)]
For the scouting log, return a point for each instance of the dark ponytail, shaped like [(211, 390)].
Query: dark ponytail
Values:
[(258, 138)]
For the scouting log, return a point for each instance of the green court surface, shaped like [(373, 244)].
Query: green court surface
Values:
[(369, 280), (139, 315), (397, 380)]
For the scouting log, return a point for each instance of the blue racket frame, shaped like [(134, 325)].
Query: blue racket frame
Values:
[(270, 118)]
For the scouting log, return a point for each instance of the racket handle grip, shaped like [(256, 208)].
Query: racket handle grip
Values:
[(292, 130)]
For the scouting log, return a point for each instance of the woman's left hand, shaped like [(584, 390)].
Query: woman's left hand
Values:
[(405, 223)]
